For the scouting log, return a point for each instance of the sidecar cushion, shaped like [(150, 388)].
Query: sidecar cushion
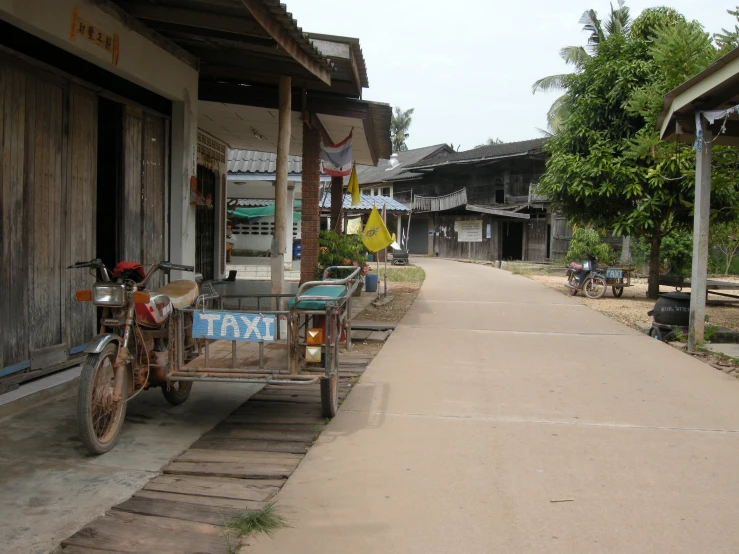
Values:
[(181, 293)]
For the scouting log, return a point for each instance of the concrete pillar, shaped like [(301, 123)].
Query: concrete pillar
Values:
[(184, 169), (283, 147), (289, 226), (700, 239), (399, 227), (311, 213), (337, 200)]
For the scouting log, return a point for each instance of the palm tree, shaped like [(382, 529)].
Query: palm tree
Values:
[(490, 142), (619, 22), (399, 125)]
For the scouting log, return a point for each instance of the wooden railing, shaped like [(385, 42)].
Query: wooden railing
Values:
[(440, 203)]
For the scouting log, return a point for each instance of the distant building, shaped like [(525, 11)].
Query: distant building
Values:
[(478, 204)]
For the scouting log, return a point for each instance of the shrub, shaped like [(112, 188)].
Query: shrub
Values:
[(588, 241), (340, 250), (676, 252)]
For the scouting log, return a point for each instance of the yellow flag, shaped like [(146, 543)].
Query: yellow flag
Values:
[(353, 186), (375, 235)]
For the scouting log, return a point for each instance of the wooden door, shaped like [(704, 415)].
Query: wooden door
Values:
[(44, 183), (81, 204), (154, 194), (131, 222), (13, 236)]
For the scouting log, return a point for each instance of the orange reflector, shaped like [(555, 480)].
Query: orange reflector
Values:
[(141, 297), (83, 295), (314, 336)]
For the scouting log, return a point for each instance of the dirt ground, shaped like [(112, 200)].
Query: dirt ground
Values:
[(403, 285), (631, 309)]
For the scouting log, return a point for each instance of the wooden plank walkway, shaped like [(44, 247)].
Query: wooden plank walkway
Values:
[(239, 465)]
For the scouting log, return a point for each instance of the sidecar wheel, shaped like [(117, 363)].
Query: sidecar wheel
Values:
[(99, 419), (178, 392)]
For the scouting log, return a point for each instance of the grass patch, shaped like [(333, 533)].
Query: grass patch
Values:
[(410, 274), (266, 520)]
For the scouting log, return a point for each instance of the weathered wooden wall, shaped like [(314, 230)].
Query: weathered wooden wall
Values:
[(47, 205), (561, 236), (447, 245), (484, 184), (535, 236)]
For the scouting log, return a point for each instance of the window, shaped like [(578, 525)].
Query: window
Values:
[(387, 191)]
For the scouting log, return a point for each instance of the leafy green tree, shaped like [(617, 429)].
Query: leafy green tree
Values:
[(588, 241), (618, 22), (399, 126), (725, 239), (728, 39), (608, 167)]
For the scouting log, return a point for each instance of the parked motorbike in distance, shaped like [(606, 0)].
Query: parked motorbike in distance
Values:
[(131, 352), (586, 277)]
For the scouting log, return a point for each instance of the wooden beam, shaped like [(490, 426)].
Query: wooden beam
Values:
[(279, 242), (275, 28), (130, 21), (194, 18)]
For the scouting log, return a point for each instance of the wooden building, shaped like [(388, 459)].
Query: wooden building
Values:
[(116, 117), (480, 204)]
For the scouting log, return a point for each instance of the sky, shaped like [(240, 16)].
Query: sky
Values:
[(467, 67)]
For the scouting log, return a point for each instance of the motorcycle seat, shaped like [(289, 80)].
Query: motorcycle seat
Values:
[(576, 267), (181, 293)]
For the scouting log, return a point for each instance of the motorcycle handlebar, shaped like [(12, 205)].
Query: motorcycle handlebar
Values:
[(177, 267)]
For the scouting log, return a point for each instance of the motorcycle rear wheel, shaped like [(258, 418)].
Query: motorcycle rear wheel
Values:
[(595, 287), (177, 392), (99, 419)]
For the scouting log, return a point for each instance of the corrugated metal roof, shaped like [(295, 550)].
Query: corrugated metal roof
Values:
[(250, 161), (250, 202), (490, 151), (366, 202), (369, 175)]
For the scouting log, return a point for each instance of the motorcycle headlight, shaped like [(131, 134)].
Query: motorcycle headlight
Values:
[(109, 294)]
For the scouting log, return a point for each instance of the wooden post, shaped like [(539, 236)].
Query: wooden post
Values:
[(283, 148), (700, 239), (337, 201)]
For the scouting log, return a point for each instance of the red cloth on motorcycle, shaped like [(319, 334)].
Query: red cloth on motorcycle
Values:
[(576, 267), (122, 267)]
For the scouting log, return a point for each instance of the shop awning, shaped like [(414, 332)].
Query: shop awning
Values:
[(264, 211)]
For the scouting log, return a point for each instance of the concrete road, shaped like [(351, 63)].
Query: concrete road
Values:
[(504, 417), (50, 487)]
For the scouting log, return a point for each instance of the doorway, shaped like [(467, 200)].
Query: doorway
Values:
[(109, 182), (205, 224), (512, 240)]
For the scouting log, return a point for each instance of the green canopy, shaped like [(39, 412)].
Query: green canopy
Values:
[(263, 211)]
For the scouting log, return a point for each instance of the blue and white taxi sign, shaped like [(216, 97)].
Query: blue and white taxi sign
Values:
[(234, 326)]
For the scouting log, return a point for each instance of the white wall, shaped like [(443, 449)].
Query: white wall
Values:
[(256, 189)]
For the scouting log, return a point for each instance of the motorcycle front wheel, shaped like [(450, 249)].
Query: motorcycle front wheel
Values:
[(571, 282), (595, 287), (99, 418)]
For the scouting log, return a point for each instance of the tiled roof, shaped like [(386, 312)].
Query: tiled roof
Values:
[(368, 174), (366, 202), (250, 161), (490, 151)]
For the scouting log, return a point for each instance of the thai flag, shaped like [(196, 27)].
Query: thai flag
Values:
[(337, 158)]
